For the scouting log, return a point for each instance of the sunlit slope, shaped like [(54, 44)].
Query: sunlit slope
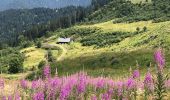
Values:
[(138, 1), (138, 47), (33, 56), (119, 56), (157, 33), (126, 27)]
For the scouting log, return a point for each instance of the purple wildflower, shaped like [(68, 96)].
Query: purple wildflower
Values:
[(159, 58), (46, 72), (148, 82), (81, 87), (167, 84), (38, 96), (130, 83), (53, 86), (65, 91), (17, 97), (136, 74), (93, 97), (1, 83), (10, 98), (23, 84), (148, 78), (100, 83), (120, 88), (106, 96), (38, 84), (3, 98)]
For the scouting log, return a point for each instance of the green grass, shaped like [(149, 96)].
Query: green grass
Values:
[(33, 56), (116, 59), (118, 56), (125, 27)]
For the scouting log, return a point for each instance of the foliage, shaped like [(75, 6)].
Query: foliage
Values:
[(105, 39), (127, 11), (11, 60), (35, 23), (160, 87), (39, 44), (16, 64), (50, 56), (41, 64), (144, 28)]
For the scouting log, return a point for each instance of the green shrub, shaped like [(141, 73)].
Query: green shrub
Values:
[(41, 64), (50, 56), (38, 44), (15, 65), (144, 28), (104, 39)]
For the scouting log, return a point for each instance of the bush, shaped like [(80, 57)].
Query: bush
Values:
[(41, 64), (104, 39), (137, 29), (15, 65), (26, 44), (144, 28), (50, 56), (38, 44)]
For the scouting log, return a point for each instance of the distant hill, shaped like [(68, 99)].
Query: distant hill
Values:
[(46, 16), (35, 22), (29, 4), (132, 10)]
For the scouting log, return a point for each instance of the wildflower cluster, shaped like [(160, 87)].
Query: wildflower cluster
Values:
[(80, 86)]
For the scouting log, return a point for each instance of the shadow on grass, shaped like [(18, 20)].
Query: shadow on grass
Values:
[(106, 64)]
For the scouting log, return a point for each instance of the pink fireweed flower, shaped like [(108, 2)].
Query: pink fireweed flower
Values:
[(148, 78), (65, 91), (1, 83), (159, 58), (46, 72), (53, 86), (38, 96), (110, 91), (130, 84), (24, 84), (10, 98), (100, 83), (120, 88), (106, 96), (38, 84), (93, 97), (136, 74), (148, 82), (17, 96), (81, 86), (167, 84), (3, 98)]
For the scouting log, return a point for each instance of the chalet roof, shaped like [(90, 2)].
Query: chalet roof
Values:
[(64, 39)]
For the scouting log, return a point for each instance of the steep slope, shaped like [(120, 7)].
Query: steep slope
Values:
[(34, 23), (95, 58), (131, 11), (29, 4)]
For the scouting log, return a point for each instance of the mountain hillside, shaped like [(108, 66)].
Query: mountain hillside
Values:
[(105, 46), (34, 23), (131, 11), (29, 4), (110, 50)]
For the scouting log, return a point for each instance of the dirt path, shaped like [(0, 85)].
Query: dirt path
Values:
[(63, 51), (61, 47)]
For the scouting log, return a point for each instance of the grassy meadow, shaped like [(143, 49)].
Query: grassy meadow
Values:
[(115, 61), (33, 56), (109, 60)]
